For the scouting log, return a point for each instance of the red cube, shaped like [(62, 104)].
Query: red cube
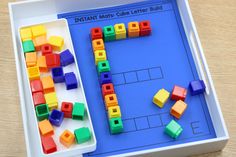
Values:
[(145, 28), (96, 33), (48, 144), (46, 49), (178, 93), (53, 60), (107, 89), (66, 108), (38, 98), (36, 86)]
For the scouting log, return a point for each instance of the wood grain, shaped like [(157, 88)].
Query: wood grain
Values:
[(216, 24)]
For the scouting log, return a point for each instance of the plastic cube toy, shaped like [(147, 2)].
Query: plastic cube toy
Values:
[(82, 135), (39, 42), (66, 58), (41, 63), (120, 31), (46, 128), (51, 100), (58, 75), (178, 109), (57, 43), (133, 29), (116, 125), (38, 30), (78, 111), (107, 89), (109, 33), (48, 144), (173, 129), (111, 100), (178, 93), (42, 112), (46, 49), (67, 138), (96, 33), (145, 28), (98, 44), (33, 73), (48, 85), (103, 66), (197, 87), (28, 46), (71, 81), (105, 77), (36, 86), (100, 55), (114, 112), (56, 117), (25, 34), (38, 98), (66, 108), (161, 97), (31, 59), (53, 60)]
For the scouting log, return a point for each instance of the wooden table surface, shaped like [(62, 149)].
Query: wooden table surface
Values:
[(216, 24)]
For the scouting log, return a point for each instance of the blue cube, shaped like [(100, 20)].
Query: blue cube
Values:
[(197, 87), (56, 117), (105, 77), (71, 81), (58, 75), (66, 58)]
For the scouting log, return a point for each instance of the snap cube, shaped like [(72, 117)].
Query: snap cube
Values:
[(161, 97), (39, 30), (56, 42), (66, 108), (45, 128), (145, 28), (67, 138), (109, 33), (42, 112), (41, 63), (25, 34), (107, 89), (39, 42), (98, 44), (173, 129), (58, 75), (48, 144), (28, 46), (36, 86), (197, 87), (178, 109), (53, 60), (33, 73), (96, 33), (48, 85), (66, 58), (71, 81), (133, 29), (51, 100), (178, 93), (111, 100), (116, 125), (82, 135), (31, 59), (100, 55), (78, 111), (56, 117), (46, 49), (120, 31), (38, 98), (114, 112), (103, 66), (105, 77)]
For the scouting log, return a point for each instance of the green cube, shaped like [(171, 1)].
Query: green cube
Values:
[(82, 135), (42, 112), (173, 129), (28, 46), (116, 125), (103, 66), (109, 33), (78, 111)]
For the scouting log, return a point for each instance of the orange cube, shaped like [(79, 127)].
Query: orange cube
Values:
[(48, 84), (31, 59), (39, 42), (111, 100), (41, 63), (46, 128), (67, 138), (133, 29), (178, 109), (98, 44)]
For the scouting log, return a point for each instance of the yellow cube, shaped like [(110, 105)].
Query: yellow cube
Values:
[(51, 100), (57, 42), (38, 30), (120, 31), (114, 112), (33, 73), (100, 55), (26, 34), (161, 97)]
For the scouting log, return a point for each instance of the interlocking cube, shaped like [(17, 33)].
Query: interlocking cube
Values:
[(46, 49), (56, 117), (114, 112), (178, 109), (67, 108), (178, 93), (42, 112), (66, 58), (98, 44), (36, 86), (116, 125), (120, 31), (161, 97), (145, 28), (51, 100), (53, 60), (109, 33), (197, 87), (78, 111), (111, 100), (26, 34), (38, 98), (41, 63), (31, 59), (107, 89), (58, 75), (39, 42), (45, 128), (28, 46), (33, 73), (103, 66), (105, 77), (71, 81), (57, 43), (96, 33), (38, 30), (133, 29), (67, 138), (48, 144), (48, 85), (82, 135), (100, 55), (173, 129)]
